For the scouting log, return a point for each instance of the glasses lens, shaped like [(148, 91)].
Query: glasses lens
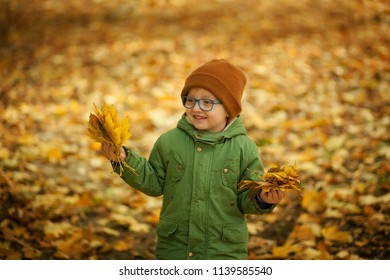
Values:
[(188, 102), (206, 104)]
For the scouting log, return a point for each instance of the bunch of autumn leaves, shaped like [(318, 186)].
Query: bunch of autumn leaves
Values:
[(105, 127), (284, 178)]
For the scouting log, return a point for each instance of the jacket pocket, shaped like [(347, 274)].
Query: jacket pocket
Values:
[(172, 240), (166, 229), (230, 173), (235, 233), (175, 168)]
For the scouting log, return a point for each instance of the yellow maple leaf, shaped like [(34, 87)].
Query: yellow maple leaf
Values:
[(104, 127), (95, 129), (124, 132)]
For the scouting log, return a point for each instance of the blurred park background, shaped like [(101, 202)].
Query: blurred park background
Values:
[(317, 95)]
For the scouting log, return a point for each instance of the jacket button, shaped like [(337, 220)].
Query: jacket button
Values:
[(180, 167), (199, 149), (190, 254), (225, 170)]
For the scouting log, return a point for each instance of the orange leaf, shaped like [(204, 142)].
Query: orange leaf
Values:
[(314, 201), (332, 233)]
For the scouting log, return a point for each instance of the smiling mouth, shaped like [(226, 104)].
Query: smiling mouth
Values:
[(199, 117)]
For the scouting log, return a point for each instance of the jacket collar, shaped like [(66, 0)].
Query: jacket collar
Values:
[(236, 127)]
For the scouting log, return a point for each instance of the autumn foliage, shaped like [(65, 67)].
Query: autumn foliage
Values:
[(284, 178), (317, 95), (105, 127)]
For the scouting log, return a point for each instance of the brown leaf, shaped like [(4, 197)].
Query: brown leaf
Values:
[(31, 253)]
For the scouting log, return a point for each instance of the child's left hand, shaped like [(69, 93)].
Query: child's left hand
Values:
[(272, 196)]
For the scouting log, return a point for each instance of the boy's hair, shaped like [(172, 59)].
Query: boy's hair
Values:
[(224, 80)]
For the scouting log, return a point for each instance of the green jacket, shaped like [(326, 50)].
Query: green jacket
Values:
[(203, 214)]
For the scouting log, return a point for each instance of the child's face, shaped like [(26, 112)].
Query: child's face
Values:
[(211, 121)]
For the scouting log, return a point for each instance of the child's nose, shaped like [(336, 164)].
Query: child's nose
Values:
[(197, 106)]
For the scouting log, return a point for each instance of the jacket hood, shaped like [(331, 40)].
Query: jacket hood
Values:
[(234, 129)]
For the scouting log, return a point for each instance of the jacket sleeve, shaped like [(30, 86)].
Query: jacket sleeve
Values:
[(247, 204), (149, 174)]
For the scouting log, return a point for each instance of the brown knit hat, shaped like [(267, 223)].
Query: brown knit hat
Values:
[(222, 79)]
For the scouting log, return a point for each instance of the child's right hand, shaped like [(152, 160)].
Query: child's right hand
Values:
[(109, 153), (272, 196)]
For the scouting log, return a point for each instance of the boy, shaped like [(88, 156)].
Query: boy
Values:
[(197, 167)]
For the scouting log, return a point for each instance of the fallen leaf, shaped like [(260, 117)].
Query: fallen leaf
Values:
[(31, 253), (286, 251), (332, 233), (314, 201)]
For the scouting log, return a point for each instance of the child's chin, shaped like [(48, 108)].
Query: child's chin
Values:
[(199, 127)]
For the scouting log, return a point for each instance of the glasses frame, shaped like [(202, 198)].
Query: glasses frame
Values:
[(198, 100)]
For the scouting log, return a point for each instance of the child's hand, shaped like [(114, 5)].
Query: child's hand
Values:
[(108, 151), (272, 196)]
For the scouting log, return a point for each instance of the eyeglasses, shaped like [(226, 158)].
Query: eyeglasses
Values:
[(204, 103)]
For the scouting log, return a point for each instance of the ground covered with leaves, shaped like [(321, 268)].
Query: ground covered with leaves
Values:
[(317, 96)]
